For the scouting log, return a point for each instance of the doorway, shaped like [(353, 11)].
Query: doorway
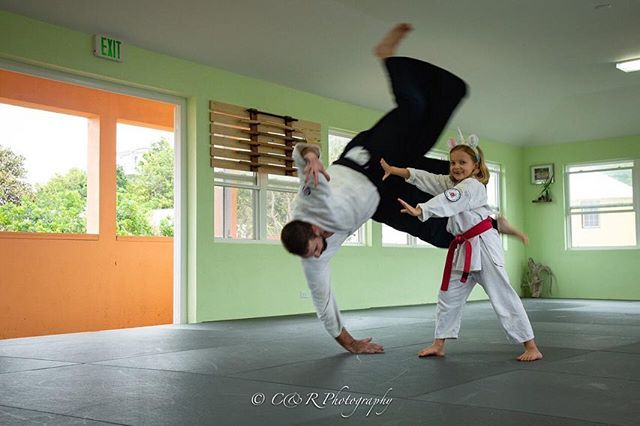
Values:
[(91, 243)]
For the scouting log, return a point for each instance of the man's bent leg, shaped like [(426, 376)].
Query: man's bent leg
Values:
[(426, 96)]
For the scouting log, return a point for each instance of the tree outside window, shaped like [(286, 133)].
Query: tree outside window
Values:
[(43, 171), (144, 181)]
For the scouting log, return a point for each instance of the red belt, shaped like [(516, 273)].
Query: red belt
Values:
[(478, 229)]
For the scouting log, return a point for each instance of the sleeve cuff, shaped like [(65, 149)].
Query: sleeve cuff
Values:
[(425, 213), (412, 178)]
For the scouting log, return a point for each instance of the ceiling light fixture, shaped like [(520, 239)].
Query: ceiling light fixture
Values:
[(629, 66)]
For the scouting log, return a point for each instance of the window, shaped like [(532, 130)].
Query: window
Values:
[(44, 170), (235, 203), (394, 237), (280, 193), (601, 210), (494, 193), (591, 220), (251, 158), (338, 140), (251, 206), (144, 181)]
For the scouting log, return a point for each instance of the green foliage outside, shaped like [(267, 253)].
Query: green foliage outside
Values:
[(12, 171), (245, 207), (149, 189), (336, 146), (279, 205), (59, 206), (154, 182)]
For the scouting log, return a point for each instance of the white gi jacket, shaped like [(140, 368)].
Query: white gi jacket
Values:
[(340, 206), (465, 204)]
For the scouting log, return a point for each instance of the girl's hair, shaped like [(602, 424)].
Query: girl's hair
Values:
[(483, 170)]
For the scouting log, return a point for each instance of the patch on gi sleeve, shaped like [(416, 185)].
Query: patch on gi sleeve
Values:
[(453, 194), (306, 190)]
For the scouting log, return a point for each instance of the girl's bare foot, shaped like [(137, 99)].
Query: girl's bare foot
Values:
[(531, 352), (504, 227), (436, 349), (388, 44)]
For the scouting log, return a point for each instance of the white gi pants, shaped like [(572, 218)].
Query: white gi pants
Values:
[(505, 301)]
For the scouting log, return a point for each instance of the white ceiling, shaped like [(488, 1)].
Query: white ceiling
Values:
[(539, 71)]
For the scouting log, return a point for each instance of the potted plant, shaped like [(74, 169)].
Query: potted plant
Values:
[(535, 277), (544, 196)]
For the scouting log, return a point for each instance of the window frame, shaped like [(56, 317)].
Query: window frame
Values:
[(225, 216), (121, 128), (90, 168), (261, 186), (635, 182), (495, 170)]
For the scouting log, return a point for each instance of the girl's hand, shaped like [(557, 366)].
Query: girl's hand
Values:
[(391, 170), (408, 209), (386, 167)]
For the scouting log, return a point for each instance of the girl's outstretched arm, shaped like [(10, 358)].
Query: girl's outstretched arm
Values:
[(391, 170)]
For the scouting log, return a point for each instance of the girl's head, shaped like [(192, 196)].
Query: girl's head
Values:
[(467, 161)]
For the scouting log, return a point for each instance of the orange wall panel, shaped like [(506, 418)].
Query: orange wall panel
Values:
[(51, 284)]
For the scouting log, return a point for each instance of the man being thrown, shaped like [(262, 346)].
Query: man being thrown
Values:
[(331, 206)]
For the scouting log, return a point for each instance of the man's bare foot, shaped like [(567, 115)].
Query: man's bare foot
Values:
[(504, 227), (531, 352), (388, 44), (436, 349)]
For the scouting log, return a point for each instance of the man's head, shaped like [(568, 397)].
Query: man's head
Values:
[(303, 239)]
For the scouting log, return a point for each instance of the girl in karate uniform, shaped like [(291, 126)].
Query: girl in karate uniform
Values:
[(475, 255)]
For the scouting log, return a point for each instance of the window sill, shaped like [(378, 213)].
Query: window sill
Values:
[(270, 242), (609, 248), (47, 236), (143, 239), (245, 241), (421, 246)]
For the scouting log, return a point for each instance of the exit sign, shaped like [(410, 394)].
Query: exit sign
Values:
[(107, 47)]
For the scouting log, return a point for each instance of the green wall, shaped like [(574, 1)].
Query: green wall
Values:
[(221, 285), (589, 274), (363, 277)]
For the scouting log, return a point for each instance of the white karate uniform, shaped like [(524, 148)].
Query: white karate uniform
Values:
[(465, 204), (341, 206)]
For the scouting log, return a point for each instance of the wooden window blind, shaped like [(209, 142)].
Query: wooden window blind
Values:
[(252, 140)]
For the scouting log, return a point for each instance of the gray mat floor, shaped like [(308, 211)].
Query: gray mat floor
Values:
[(287, 370)]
